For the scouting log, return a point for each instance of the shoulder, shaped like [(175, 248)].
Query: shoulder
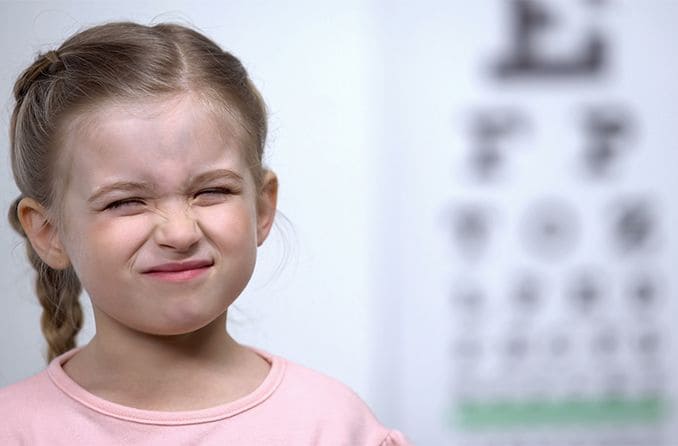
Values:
[(336, 410), (23, 394), (22, 403), (311, 388), (304, 379), (34, 406)]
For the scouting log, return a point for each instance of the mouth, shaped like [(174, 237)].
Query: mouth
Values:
[(179, 271)]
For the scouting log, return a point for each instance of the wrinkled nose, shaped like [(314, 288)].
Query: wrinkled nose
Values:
[(178, 230)]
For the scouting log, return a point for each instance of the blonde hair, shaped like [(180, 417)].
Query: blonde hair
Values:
[(114, 61)]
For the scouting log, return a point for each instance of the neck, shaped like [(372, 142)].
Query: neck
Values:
[(129, 348), (154, 372)]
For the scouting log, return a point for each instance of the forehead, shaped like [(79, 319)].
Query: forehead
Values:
[(151, 138)]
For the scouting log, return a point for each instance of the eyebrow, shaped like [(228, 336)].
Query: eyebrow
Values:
[(133, 186), (215, 175), (126, 186)]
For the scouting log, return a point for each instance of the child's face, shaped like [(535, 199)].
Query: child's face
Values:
[(161, 218)]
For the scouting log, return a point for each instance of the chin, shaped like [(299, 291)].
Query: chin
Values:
[(180, 326)]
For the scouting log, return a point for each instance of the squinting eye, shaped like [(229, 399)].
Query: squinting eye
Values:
[(124, 203), (215, 191), (212, 195)]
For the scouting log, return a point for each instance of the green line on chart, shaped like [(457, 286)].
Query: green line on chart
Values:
[(573, 412)]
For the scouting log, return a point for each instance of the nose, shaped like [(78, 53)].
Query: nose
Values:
[(178, 230)]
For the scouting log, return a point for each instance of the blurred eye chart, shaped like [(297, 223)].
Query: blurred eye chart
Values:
[(530, 213)]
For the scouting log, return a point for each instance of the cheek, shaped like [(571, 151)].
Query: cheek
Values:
[(117, 239), (229, 226)]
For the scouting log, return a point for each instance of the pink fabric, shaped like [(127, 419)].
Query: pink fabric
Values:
[(293, 406)]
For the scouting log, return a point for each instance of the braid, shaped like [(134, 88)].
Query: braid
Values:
[(58, 292)]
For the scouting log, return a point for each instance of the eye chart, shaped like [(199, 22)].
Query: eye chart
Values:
[(531, 213)]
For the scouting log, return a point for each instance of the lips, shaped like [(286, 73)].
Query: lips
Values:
[(179, 266), (179, 271)]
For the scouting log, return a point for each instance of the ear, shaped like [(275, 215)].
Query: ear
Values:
[(266, 205), (42, 233)]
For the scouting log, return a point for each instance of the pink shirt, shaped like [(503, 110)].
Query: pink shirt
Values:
[(292, 406)]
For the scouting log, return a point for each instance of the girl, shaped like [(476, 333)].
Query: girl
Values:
[(138, 154)]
